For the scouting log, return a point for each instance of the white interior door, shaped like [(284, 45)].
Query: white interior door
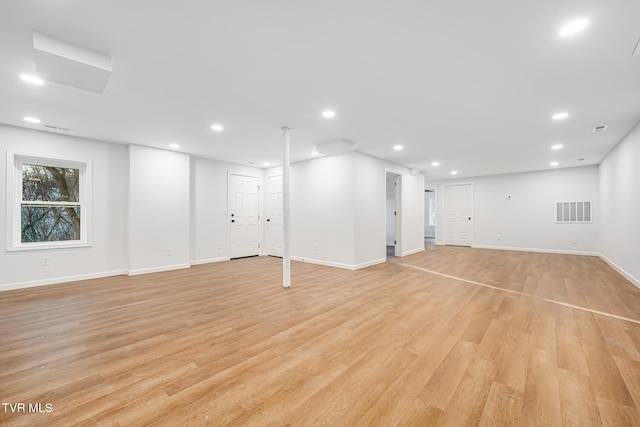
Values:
[(275, 227), (244, 236), (458, 201)]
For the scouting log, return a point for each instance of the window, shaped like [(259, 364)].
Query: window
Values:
[(49, 202), (573, 212)]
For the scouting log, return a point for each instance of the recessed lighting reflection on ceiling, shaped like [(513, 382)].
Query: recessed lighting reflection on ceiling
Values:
[(560, 116), (435, 164), (573, 27), (398, 147), (267, 163), (556, 146), (34, 80), (174, 145), (217, 128), (454, 172), (32, 119), (554, 164), (314, 153), (328, 114)]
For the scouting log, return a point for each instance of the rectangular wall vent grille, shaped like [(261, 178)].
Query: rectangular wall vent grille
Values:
[(574, 212)]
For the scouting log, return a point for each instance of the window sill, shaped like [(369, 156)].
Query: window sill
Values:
[(47, 246)]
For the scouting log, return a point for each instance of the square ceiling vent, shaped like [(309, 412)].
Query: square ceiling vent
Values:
[(335, 147), (71, 65)]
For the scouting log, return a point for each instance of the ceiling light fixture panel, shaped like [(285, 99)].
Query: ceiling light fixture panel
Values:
[(34, 80), (328, 114), (573, 27), (560, 116)]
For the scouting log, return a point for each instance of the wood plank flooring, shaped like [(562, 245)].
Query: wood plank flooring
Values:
[(449, 337)]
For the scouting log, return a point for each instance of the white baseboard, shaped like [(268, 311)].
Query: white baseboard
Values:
[(545, 251), (158, 269), (57, 280), (413, 251), (340, 265), (626, 275), (209, 260), (369, 263)]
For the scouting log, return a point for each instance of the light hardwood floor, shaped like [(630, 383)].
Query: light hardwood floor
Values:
[(449, 337)]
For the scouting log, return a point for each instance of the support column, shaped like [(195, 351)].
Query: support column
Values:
[(286, 211)]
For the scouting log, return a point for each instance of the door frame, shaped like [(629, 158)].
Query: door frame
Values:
[(446, 211), (229, 173)]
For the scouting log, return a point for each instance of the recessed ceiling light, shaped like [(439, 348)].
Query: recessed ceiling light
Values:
[(174, 145), (554, 164), (217, 128), (454, 172), (573, 27), (398, 147), (32, 120), (435, 164), (560, 116), (328, 114), (556, 147), (314, 153), (31, 79), (267, 163)]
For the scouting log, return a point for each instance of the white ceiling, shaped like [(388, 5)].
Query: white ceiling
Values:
[(472, 84)]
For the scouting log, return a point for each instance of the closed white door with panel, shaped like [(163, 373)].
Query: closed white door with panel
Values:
[(244, 216), (458, 204), (275, 230)]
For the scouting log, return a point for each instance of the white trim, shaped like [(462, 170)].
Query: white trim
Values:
[(370, 263), (14, 161), (158, 269), (413, 251), (58, 280), (340, 265), (209, 260), (538, 250), (626, 275)]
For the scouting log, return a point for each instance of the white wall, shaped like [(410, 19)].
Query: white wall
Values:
[(158, 210), (106, 255), (619, 234), (527, 221), (209, 216), (323, 210), (370, 197)]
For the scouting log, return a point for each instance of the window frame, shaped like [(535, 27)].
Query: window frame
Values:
[(15, 160)]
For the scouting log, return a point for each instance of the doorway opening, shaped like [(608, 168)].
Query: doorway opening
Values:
[(394, 215), (430, 214)]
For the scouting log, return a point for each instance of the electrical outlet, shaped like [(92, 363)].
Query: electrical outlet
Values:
[(574, 241), (168, 251), (46, 261), (499, 237)]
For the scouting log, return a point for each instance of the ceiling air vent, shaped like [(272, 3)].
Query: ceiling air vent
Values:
[(598, 129), (54, 127)]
